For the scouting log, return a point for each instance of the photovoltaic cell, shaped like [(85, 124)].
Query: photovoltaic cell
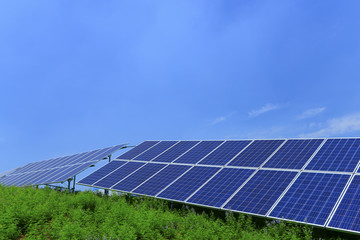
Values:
[(311, 198), (161, 180), (261, 192), (198, 152), (117, 175), (188, 183), (337, 155), (224, 153), (294, 154), (102, 172), (221, 187), (256, 153), (347, 215), (155, 151), (132, 181), (174, 152), (137, 150)]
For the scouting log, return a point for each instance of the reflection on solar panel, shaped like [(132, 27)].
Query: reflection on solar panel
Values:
[(301, 180), (56, 170)]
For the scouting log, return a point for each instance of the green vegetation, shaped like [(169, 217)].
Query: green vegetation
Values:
[(27, 213)]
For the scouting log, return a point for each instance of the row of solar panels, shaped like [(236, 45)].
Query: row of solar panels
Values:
[(341, 155), (56, 170), (310, 180)]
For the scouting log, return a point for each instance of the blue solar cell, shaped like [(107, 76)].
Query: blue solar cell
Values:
[(337, 155), (188, 183), (129, 183), (256, 153), (224, 153), (294, 154), (174, 152), (137, 150), (155, 151), (261, 192), (102, 172), (161, 180), (311, 198), (118, 175), (221, 187), (347, 215), (198, 152)]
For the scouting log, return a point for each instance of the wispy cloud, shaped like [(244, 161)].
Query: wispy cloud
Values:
[(223, 118), (266, 108), (311, 112), (337, 126)]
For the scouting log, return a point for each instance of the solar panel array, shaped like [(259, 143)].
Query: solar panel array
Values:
[(56, 170), (313, 181)]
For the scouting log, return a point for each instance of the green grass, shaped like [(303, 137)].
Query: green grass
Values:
[(27, 213)]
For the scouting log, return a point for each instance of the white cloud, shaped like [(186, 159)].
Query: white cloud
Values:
[(266, 108), (338, 126), (311, 112), (223, 118)]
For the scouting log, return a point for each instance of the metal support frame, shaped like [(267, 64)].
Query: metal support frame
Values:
[(106, 191)]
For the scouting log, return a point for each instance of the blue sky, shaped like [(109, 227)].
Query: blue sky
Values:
[(81, 75)]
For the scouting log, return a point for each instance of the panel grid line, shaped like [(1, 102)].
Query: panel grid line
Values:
[(203, 185), (296, 177), (247, 180), (342, 195), (239, 153)]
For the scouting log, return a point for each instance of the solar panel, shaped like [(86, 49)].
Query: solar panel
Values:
[(294, 154), (198, 152), (337, 155), (311, 198), (136, 178), (119, 174), (155, 150), (138, 150), (260, 192), (301, 180), (102, 172), (224, 153), (221, 187), (56, 170), (160, 180), (188, 183), (174, 152), (256, 153), (347, 215)]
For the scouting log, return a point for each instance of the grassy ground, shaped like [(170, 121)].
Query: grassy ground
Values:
[(27, 213)]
